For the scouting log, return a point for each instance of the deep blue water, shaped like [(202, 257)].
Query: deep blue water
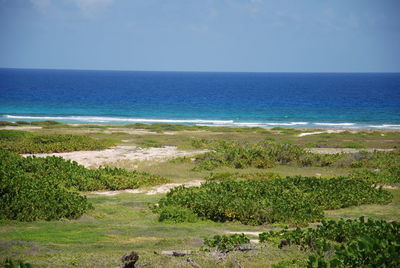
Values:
[(248, 99)]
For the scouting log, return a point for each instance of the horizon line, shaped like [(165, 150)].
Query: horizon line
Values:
[(178, 71)]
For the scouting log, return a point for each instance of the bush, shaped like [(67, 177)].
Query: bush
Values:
[(267, 154), (27, 142), (72, 175), (35, 188), (226, 243), (345, 243), (389, 175), (28, 196), (293, 200), (177, 214)]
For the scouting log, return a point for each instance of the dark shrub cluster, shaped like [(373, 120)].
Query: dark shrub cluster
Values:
[(292, 200)]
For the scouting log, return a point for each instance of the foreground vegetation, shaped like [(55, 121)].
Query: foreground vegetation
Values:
[(35, 188), (291, 200), (345, 243), (121, 223)]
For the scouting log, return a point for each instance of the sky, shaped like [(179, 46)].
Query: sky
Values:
[(202, 35)]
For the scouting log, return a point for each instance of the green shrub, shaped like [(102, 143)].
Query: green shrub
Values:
[(29, 196), (226, 243), (27, 142), (266, 154), (72, 175), (177, 214), (262, 155), (345, 243), (293, 200), (390, 175), (36, 188)]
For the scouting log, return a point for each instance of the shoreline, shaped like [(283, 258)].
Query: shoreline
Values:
[(304, 126)]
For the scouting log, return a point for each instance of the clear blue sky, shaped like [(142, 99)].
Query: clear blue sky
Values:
[(202, 35)]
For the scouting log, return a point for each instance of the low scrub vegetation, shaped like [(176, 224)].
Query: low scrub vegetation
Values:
[(225, 243), (267, 154), (174, 214), (160, 127), (35, 188), (26, 195), (27, 142), (388, 176), (345, 243), (296, 200)]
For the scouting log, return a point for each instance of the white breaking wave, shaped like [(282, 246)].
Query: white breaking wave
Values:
[(287, 124), (334, 124), (101, 119), (104, 119), (385, 126)]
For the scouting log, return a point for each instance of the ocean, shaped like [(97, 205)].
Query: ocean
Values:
[(302, 100)]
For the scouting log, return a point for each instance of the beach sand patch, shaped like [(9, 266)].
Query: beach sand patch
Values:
[(121, 152)]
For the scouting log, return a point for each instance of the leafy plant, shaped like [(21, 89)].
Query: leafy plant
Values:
[(345, 243), (267, 154), (293, 199), (176, 214), (35, 188), (27, 142), (226, 243)]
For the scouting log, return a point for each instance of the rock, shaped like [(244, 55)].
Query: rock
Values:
[(129, 260), (176, 253), (318, 174)]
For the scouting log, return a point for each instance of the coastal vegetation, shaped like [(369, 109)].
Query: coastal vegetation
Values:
[(50, 217), (344, 243), (35, 188), (267, 154), (28, 142), (297, 200)]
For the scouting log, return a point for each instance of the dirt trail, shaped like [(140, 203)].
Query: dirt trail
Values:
[(160, 189), (121, 152), (321, 132)]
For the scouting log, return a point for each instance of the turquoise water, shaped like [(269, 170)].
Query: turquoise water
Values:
[(334, 100)]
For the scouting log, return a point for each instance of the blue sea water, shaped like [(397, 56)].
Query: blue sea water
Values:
[(344, 100)]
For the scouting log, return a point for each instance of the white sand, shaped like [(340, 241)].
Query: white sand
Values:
[(160, 189), (131, 153), (320, 132)]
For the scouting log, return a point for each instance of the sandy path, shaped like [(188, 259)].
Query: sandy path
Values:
[(320, 132), (121, 152), (160, 189)]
